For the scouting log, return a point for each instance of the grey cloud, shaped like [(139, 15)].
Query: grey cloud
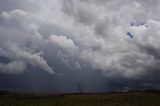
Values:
[(21, 39), (14, 67), (26, 57), (49, 29), (80, 11), (119, 55), (84, 34), (31, 58), (9, 5)]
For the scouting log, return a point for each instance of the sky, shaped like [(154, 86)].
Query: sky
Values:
[(51, 45)]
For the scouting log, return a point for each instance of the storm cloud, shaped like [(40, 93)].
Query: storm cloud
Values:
[(120, 38)]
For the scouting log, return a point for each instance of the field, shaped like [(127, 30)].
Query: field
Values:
[(109, 99)]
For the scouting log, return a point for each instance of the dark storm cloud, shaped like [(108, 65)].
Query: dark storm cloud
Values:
[(82, 35)]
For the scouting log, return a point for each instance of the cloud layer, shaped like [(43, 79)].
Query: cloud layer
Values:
[(118, 37)]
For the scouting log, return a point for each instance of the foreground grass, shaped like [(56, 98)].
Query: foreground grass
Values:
[(117, 99)]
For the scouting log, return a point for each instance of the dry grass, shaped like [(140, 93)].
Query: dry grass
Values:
[(114, 99)]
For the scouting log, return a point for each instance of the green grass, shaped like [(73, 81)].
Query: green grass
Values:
[(115, 99)]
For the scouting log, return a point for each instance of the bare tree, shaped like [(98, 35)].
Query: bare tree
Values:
[(80, 87)]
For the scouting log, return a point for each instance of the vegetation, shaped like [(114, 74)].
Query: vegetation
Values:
[(105, 99)]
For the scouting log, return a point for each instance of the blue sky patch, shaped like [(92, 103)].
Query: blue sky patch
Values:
[(130, 35)]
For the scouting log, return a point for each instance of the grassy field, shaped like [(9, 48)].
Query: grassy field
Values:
[(111, 99)]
